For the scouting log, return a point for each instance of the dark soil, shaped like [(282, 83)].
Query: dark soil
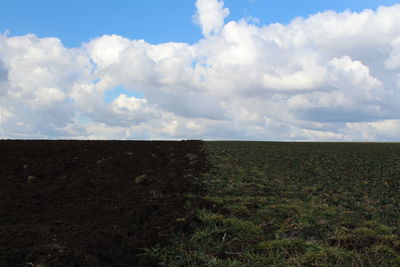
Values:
[(92, 203)]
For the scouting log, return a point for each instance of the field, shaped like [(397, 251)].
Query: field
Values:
[(192, 203), (91, 203), (294, 204)]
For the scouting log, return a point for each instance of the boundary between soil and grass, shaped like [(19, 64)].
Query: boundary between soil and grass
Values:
[(291, 204)]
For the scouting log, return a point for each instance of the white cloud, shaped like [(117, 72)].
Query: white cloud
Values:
[(331, 76), (384, 130), (44, 97), (211, 15), (107, 51), (393, 61), (3, 79)]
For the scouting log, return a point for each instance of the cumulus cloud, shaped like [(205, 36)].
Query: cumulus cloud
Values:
[(210, 15), (393, 61), (3, 79), (331, 76)]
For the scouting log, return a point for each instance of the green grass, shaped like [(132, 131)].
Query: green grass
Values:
[(293, 204)]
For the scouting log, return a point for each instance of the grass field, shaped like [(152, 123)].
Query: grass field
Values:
[(293, 204)]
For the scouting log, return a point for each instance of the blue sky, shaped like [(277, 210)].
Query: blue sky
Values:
[(155, 21), (201, 69)]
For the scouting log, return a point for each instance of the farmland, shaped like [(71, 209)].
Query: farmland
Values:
[(295, 204), (193, 203), (91, 203)]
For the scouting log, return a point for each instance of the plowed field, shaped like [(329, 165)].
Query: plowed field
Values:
[(91, 203)]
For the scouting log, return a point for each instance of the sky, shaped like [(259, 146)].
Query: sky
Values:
[(205, 69), (156, 21)]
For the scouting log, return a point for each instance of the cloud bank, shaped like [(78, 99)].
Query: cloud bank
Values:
[(331, 76)]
